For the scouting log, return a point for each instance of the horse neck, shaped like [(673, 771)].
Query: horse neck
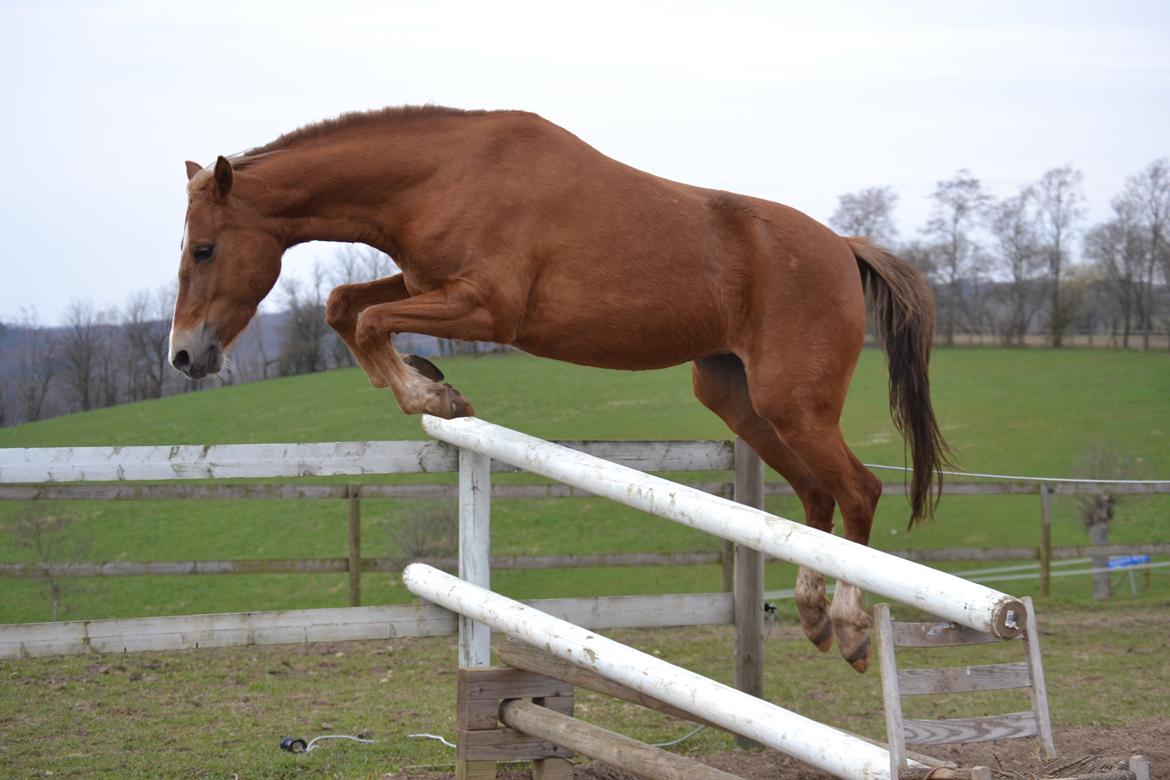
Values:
[(353, 189)]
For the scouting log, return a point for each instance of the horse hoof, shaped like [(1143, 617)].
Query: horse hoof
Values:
[(423, 366), (822, 635), (859, 657), (460, 406)]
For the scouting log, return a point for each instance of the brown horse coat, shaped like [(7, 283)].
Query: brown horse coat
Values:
[(510, 229)]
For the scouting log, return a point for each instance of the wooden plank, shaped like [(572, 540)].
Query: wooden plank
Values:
[(524, 656), (480, 691), (505, 744), (174, 568), (518, 562), (633, 757), (937, 635), (685, 609), (123, 568), (964, 679), (552, 769), (220, 461), (983, 729), (335, 565), (189, 632), (223, 461), (891, 695), (153, 492), (497, 683), (1039, 691), (475, 770), (116, 491)]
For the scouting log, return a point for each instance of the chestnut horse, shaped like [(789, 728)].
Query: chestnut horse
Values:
[(510, 229)]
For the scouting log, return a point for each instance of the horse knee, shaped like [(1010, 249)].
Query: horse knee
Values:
[(338, 312), (368, 335)]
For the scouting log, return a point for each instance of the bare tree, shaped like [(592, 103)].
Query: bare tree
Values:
[(38, 363), (1118, 247), (146, 335), (1147, 196), (959, 203), (79, 352), (304, 328), (868, 212), (52, 539), (355, 263), (1060, 206), (1012, 224)]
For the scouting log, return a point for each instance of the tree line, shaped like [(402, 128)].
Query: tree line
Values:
[(100, 357), (1005, 267)]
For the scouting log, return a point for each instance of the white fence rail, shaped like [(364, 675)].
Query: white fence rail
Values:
[(932, 591), (225, 461), (740, 713), (300, 626)]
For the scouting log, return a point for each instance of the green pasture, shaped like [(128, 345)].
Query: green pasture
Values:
[(1006, 411), (221, 713)]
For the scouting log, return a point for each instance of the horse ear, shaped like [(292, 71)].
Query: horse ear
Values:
[(192, 169), (223, 177)]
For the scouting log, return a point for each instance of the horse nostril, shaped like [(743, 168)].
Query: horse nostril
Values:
[(182, 360)]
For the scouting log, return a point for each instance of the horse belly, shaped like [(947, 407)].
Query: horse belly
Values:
[(636, 335)]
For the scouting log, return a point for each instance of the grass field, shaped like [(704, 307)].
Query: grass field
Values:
[(1007, 411), (221, 713)]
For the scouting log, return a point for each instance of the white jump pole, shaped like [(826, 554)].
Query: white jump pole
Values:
[(814, 743), (949, 597)]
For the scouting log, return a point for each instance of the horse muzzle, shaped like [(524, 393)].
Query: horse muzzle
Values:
[(196, 360)]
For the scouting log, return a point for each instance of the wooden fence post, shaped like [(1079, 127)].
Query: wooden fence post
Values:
[(749, 583), (1045, 538), (353, 492)]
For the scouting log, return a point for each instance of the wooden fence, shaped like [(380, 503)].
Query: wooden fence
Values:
[(699, 455)]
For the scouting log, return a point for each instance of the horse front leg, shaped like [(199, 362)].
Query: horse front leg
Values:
[(348, 301), (451, 311)]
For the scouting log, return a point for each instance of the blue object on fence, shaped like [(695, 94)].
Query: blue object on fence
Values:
[(1122, 561)]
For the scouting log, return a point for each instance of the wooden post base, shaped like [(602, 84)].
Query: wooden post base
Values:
[(482, 741)]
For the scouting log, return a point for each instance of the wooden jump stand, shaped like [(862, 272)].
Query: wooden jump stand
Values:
[(481, 739), (1027, 674)]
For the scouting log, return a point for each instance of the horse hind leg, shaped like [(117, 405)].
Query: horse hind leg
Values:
[(809, 427), (721, 385)]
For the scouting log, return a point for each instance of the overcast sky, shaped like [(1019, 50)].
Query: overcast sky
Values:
[(101, 102)]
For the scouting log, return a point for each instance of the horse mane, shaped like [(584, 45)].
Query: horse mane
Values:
[(351, 120)]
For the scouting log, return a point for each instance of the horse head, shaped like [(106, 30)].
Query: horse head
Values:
[(230, 260)]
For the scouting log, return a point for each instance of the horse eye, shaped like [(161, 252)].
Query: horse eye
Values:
[(203, 252)]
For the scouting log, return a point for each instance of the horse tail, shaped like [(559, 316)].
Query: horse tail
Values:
[(903, 310)]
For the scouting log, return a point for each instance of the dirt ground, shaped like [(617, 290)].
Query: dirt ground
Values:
[(1080, 750)]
